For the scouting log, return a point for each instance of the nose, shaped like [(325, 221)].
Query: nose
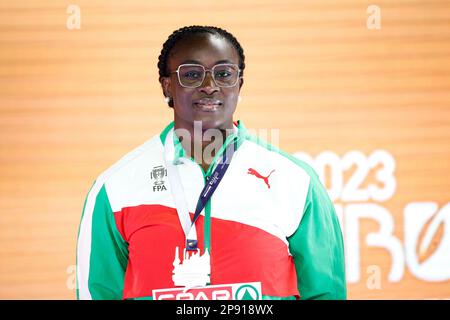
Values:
[(208, 86)]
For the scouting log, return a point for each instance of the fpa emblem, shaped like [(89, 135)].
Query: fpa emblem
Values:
[(247, 292), (158, 173)]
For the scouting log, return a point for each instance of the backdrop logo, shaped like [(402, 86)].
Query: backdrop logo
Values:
[(427, 240), (359, 184)]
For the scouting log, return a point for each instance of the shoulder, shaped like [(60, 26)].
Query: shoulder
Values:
[(293, 183), (133, 161), (131, 168), (267, 152)]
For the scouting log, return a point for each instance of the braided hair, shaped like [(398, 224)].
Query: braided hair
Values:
[(185, 32)]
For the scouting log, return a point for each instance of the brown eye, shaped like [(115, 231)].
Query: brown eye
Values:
[(192, 74), (223, 74)]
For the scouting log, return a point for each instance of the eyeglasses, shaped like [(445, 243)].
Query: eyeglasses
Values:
[(193, 75)]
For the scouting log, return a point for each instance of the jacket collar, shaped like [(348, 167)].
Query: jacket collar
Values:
[(239, 134)]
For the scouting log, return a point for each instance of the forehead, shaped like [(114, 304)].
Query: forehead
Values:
[(204, 48)]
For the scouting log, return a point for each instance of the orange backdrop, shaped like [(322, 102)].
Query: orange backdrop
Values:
[(339, 79)]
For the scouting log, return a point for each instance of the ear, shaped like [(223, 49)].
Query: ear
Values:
[(166, 86), (241, 82)]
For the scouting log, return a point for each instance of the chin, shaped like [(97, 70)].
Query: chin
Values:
[(214, 123)]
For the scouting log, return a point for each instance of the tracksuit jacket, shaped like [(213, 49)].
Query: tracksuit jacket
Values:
[(270, 220)]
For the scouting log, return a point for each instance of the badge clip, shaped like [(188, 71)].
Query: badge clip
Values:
[(191, 245)]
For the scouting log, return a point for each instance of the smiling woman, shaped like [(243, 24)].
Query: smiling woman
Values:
[(205, 206), (200, 74)]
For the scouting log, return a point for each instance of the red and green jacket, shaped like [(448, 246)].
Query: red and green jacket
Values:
[(282, 231)]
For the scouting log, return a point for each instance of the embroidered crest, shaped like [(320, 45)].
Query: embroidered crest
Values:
[(158, 174)]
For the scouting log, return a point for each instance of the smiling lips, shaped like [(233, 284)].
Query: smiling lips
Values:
[(208, 105)]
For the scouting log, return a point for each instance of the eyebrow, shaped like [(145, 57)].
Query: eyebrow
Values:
[(198, 62)]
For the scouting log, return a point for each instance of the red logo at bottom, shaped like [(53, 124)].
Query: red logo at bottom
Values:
[(234, 291)]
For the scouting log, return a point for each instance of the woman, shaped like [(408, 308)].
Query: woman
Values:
[(206, 203)]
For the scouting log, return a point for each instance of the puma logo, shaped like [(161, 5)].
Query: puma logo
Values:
[(258, 175)]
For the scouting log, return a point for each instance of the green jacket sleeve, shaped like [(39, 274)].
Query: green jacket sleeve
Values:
[(317, 248), (102, 253)]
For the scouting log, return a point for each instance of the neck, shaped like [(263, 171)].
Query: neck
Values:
[(202, 143)]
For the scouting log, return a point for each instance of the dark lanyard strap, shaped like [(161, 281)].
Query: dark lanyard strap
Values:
[(210, 187)]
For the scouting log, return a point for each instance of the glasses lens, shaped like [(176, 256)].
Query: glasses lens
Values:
[(191, 75), (226, 75)]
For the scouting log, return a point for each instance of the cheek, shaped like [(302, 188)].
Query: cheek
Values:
[(183, 96), (231, 98)]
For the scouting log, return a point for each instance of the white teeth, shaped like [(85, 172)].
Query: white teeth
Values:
[(208, 102), (207, 106)]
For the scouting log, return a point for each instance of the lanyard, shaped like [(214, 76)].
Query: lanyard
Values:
[(178, 193)]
